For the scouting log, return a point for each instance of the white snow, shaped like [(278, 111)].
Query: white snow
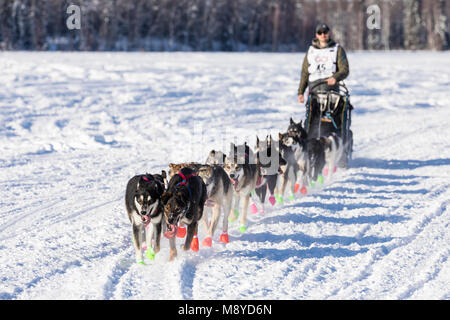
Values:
[(74, 127)]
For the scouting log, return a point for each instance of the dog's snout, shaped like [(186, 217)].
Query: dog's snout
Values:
[(143, 212), (232, 176)]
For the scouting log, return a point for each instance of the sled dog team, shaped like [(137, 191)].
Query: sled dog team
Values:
[(175, 203)]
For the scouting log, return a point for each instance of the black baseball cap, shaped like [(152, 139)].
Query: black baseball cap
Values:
[(322, 27)]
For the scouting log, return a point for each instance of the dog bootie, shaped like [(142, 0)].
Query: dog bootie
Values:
[(261, 212), (303, 190), (242, 229), (150, 254), (320, 179), (207, 242), (272, 200), (291, 197), (325, 172), (194, 244), (224, 237), (233, 217), (279, 199), (297, 186), (181, 232), (253, 209)]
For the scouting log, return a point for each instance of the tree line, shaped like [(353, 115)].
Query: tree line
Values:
[(223, 25)]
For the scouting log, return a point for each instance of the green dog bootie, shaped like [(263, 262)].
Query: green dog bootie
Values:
[(279, 199), (242, 229), (150, 254), (291, 197), (236, 215), (320, 179)]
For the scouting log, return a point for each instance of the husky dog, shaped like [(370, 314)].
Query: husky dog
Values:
[(220, 196), (183, 203), (333, 152), (243, 172), (311, 153), (290, 169), (216, 157), (269, 160), (299, 145), (144, 207)]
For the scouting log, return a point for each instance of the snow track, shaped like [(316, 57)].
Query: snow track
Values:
[(74, 127)]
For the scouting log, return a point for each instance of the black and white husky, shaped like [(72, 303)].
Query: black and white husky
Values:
[(242, 169), (316, 156), (270, 161), (220, 196), (183, 204), (291, 168), (145, 211)]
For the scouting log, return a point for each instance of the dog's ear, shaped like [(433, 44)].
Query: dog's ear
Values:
[(257, 141), (212, 153), (280, 136), (301, 123), (292, 121), (163, 174)]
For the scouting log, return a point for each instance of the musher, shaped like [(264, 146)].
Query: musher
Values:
[(324, 66)]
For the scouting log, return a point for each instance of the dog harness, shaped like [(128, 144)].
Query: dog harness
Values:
[(184, 182)]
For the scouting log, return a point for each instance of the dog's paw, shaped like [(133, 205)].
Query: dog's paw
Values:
[(320, 179), (224, 238), (173, 254), (194, 244), (279, 199), (303, 190), (272, 200), (150, 254), (233, 216), (207, 242)]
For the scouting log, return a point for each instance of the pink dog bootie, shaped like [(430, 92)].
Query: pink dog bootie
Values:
[(253, 209), (272, 200)]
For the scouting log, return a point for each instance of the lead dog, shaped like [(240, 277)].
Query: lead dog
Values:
[(145, 210), (243, 172), (220, 196), (183, 203)]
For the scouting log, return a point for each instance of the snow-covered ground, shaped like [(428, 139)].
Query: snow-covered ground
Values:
[(74, 127)]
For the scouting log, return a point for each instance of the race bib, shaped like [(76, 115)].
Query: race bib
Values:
[(322, 62)]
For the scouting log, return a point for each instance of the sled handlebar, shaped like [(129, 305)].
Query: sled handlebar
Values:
[(341, 86)]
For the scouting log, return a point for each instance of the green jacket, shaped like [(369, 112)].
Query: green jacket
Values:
[(341, 66)]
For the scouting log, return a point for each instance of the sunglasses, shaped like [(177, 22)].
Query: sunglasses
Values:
[(322, 32)]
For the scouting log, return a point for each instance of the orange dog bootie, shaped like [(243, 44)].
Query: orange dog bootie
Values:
[(194, 244)]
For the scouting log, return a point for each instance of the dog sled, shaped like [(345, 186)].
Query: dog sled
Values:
[(328, 112)]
